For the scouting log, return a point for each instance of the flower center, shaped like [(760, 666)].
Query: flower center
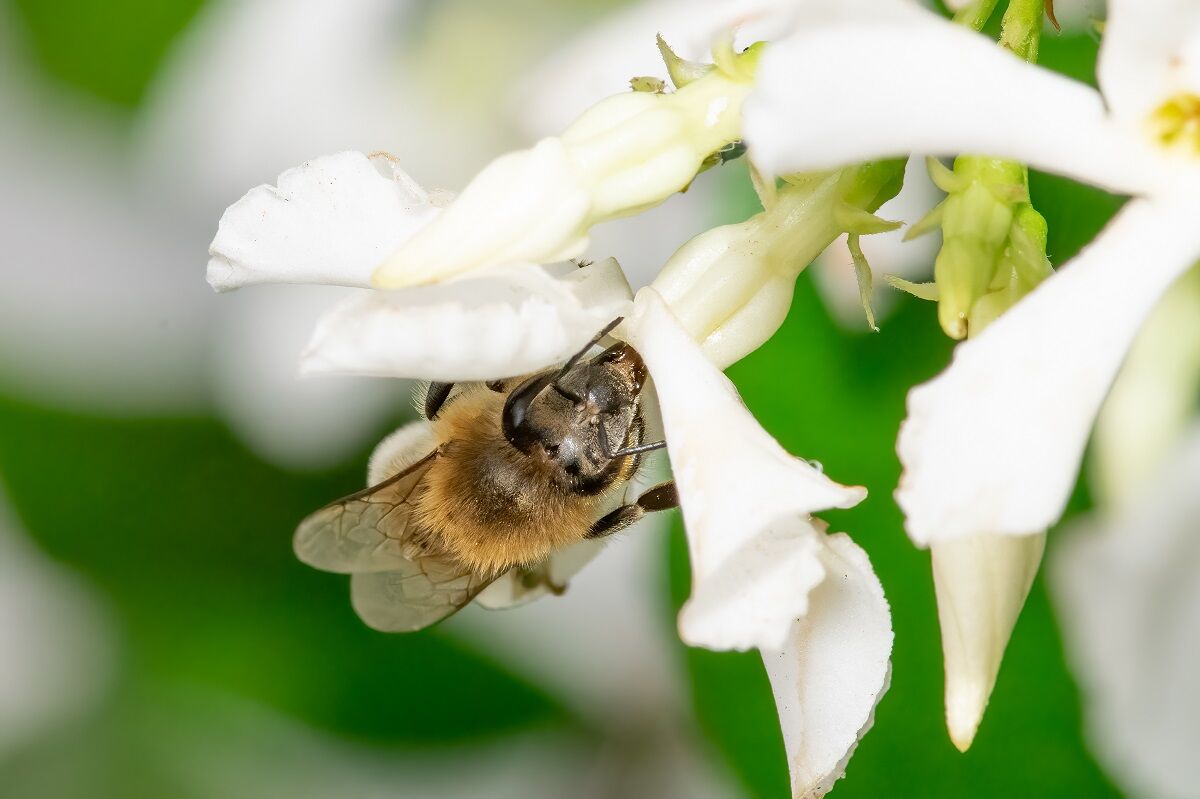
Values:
[(1176, 123)]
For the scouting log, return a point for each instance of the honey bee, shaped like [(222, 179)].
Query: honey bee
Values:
[(519, 469)]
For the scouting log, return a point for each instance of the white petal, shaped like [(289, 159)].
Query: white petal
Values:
[(992, 445), (833, 669), (891, 59), (330, 220), (1150, 52), (745, 501), (286, 418), (1127, 589), (501, 323), (404, 447), (981, 583), (526, 206)]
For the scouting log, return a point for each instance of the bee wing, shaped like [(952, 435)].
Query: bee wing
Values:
[(427, 590), (364, 532)]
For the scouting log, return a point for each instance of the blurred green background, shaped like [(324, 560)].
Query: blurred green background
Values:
[(219, 635)]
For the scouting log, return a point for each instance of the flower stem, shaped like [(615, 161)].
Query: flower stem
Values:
[(976, 15), (1021, 29)]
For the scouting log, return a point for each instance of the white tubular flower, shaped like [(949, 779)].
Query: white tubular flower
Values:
[(765, 573), (992, 446), (732, 286), (332, 219), (624, 154)]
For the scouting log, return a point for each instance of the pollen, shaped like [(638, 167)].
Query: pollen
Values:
[(1176, 123)]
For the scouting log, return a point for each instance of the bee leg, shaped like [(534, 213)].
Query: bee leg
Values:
[(435, 397), (534, 576), (661, 497)]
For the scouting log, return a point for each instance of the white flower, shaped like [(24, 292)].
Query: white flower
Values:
[(332, 219), (764, 572), (992, 446)]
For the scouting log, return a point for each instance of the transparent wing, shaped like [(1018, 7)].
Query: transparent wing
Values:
[(427, 590), (364, 532), (367, 535)]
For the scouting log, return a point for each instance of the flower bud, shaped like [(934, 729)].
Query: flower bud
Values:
[(623, 155), (994, 242), (981, 583), (731, 287)]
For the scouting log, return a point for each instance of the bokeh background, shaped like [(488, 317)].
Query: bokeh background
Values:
[(157, 638)]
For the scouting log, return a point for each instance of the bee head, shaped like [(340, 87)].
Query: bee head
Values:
[(573, 418)]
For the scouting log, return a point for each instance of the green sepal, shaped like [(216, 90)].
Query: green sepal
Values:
[(944, 177), (857, 221), (927, 224), (862, 271), (922, 291), (681, 70)]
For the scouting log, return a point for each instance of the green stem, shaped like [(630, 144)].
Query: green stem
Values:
[(1021, 29), (976, 15)]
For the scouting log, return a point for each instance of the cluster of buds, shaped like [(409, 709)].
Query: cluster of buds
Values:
[(994, 242)]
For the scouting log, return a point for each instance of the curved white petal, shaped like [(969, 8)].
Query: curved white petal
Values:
[(526, 206), (1150, 52), (501, 323), (330, 220), (746, 502), (400, 449), (992, 445), (1127, 589), (891, 78), (833, 668), (982, 582)]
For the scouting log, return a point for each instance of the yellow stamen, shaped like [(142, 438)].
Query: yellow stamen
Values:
[(1176, 123)]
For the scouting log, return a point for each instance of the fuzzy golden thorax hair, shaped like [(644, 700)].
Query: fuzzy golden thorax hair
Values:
[(490, 506)]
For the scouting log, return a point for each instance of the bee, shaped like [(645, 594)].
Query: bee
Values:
[(518, 470)]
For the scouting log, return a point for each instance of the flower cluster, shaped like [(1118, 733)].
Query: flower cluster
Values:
[(478, 288)]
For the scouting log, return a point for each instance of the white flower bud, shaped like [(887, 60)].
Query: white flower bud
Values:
[(627, 153), (981, 584), (731, 287)]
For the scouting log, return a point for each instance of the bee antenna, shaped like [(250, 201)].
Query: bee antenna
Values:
[(574, 359)]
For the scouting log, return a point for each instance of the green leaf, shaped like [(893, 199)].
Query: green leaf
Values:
[(110, 49)]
